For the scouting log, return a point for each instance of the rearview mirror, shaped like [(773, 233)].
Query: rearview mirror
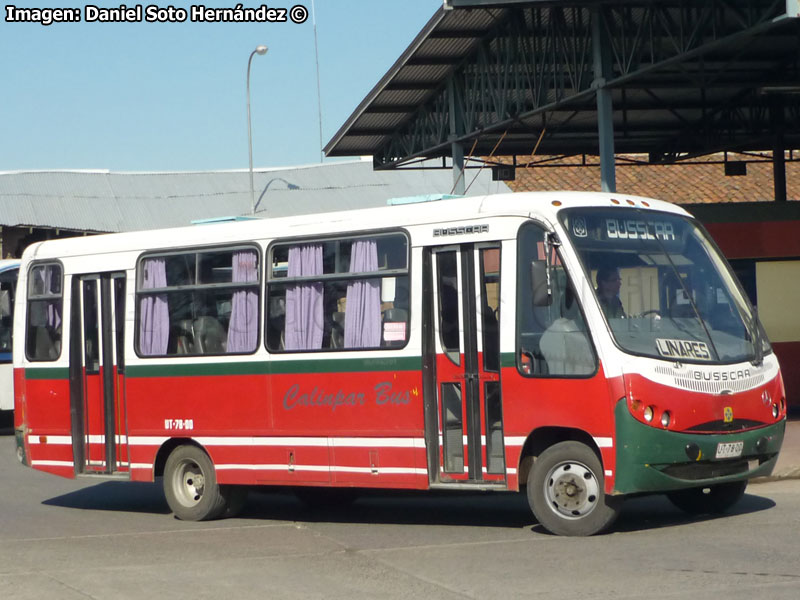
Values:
[(541, 294)]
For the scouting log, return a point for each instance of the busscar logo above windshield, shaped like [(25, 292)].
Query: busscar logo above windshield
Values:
[(633, 229), (579, 227)]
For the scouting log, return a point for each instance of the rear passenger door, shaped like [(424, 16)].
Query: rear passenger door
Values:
[(97, 369)]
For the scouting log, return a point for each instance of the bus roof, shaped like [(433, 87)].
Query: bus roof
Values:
[(544, 205), (7, 264)]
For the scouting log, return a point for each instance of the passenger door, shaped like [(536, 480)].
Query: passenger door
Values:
[(465, 423), (97, 370)]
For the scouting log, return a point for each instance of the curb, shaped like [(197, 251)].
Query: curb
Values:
[(789, 473)]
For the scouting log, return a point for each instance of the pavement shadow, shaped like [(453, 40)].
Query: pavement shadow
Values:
[(395, 508), (656, 512), (122, 496), (503, 510)]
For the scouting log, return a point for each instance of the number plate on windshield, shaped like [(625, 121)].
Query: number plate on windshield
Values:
[(729, 449)]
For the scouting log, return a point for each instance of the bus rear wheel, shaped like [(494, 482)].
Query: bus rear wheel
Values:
[(566, 493), (714, 499), (191, 489)]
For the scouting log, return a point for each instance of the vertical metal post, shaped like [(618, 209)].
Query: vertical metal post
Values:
[(260, 50), (778, 149), (456, 148), (605, 108)]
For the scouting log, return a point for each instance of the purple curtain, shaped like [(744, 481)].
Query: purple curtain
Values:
[(362, 317), (243, 328), (154, 312), (304, 300)]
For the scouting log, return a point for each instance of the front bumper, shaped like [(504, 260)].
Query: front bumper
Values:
[(650, 459)]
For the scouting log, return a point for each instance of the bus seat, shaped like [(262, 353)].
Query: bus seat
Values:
[(209, 336), (276, 319), (183, 334), (48, 347), (566, 349), (395, 315), (337, 330)]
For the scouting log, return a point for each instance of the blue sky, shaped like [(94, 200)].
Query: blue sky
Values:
[(171, 96)]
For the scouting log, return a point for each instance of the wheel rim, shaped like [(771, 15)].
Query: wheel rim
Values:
[(189, 483), (572, 490)]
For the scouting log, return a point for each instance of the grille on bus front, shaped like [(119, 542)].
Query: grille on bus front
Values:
[(683, 381)]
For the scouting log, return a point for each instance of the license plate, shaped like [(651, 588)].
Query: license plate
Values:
[(729, 449)]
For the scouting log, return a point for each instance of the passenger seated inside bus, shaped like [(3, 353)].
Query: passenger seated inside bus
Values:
[(338, 294), (388, 328), (554, 339), (565, 343), (202, 302)]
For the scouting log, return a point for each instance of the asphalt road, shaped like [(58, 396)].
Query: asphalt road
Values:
[(65, 539)]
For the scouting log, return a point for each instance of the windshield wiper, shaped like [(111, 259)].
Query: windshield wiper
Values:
[(677, 273)]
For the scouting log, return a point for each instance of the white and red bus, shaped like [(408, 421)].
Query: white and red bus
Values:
[(457, 344)]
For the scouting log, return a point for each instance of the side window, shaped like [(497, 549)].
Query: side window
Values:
[(198, 302), (338, 294), (449, 324), (45, 310), (552, 337)]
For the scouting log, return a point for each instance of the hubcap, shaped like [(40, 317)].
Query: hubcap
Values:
[(572, 490), (189, 483)]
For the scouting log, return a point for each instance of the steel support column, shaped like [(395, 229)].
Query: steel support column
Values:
[(601, 44), (456, 130), (778, 149)]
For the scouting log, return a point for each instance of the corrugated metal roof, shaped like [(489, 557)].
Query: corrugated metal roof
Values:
[(117, 201), (684, 79)]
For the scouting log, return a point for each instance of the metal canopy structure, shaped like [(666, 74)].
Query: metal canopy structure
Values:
[(671, 79)]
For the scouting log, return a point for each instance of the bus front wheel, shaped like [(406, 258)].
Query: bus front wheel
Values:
[(566, 494), (191, 489), (715, 499)]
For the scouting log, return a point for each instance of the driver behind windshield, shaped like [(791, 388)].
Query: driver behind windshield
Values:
[(608, 285)]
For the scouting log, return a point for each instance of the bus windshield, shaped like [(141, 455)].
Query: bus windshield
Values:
[(664, 289)]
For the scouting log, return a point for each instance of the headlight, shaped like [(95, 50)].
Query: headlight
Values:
[(665, 419), (648, 414)]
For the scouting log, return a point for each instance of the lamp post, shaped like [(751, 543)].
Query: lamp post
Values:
[(261, 50)]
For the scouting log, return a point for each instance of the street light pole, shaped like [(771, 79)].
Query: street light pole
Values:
[(261, 50)]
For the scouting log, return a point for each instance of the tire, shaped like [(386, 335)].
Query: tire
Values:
[(566, 494), (715, 499), (190, 485)]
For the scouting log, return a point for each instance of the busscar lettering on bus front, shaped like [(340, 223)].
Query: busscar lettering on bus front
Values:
[(383, 395), (460, 230), (642, 230)]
